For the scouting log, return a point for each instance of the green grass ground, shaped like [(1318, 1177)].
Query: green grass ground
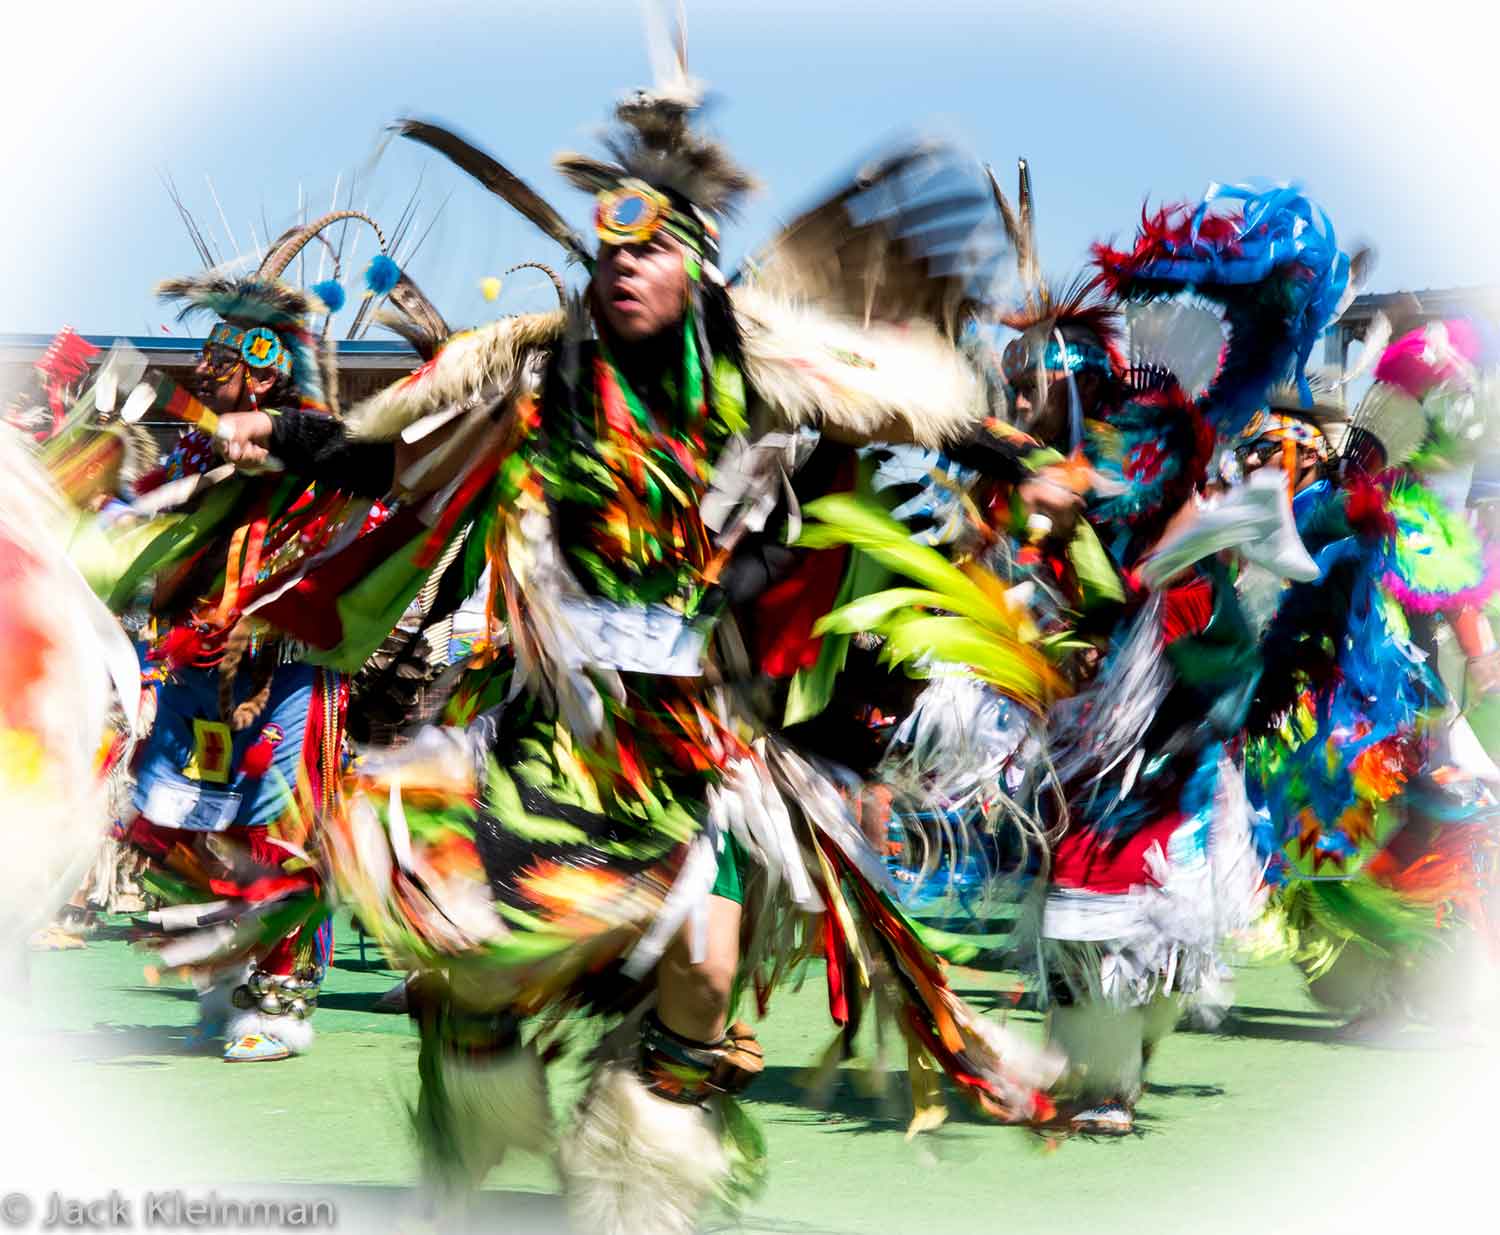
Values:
[(1247, 1127)]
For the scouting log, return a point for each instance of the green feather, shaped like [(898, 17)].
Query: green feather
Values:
[(952, 618)]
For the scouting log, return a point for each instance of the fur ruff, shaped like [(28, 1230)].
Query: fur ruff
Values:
[(215, 1008), (877, 383), (294, 1034), (1107, 1046), (497, 1105), (636, 1164), (811, 368), (489, 358)]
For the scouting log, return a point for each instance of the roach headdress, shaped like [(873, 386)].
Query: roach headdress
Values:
[(1072, 331), (1069, 331)]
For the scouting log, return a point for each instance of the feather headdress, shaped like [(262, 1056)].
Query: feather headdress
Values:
[(657, 144), (662, 166), (1020, 225), (261, 304), (1270, 261), (1286, 419), (1064, 331), (655, 141), (1325, 406), (1176, 337), (1392, 418)]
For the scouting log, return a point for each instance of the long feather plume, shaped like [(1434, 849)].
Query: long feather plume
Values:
[(1020, 227), (497, 178), (195, 233), (268, 301)]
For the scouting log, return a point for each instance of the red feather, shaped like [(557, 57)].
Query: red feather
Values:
[(1166, 234), (183, 646), (257, 760), (833, 952), (1366, 509)]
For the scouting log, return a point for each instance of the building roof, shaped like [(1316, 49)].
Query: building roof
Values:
[(1414, 307), (172, 350)]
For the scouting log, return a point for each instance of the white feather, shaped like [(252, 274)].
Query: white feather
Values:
[(1185, 339), (1255, 518), (176, 492), (689, 890), (1390, 414), (1377, 335)]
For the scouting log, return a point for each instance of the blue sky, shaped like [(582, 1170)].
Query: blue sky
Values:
[(1387, 122)]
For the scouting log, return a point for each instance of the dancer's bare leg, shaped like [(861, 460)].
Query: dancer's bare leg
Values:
[(693, 999)]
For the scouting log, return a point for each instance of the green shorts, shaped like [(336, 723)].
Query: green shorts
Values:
[(727, 880)]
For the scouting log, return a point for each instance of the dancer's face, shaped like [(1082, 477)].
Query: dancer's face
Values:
[(1042, 415), (1269, 454), (1046, 417), (641, 288), (224, 383)]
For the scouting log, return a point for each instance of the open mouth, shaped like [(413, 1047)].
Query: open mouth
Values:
[(622, 298)]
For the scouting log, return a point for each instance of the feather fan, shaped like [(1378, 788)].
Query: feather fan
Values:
[(912, 235), (1186, 340)]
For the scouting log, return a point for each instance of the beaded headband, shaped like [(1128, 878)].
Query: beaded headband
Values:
[(1272, 426), (1023, 356), (258, 346)]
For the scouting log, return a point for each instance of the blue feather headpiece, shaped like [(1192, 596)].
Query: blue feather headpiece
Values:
[(1272, 262)]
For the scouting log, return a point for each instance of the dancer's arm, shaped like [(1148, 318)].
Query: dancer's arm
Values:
[(309, 444)]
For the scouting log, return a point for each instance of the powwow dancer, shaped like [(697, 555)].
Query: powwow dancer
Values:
[(609, 821), (68, 672), (245, 752), (1380, 797), (1155, 867)]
